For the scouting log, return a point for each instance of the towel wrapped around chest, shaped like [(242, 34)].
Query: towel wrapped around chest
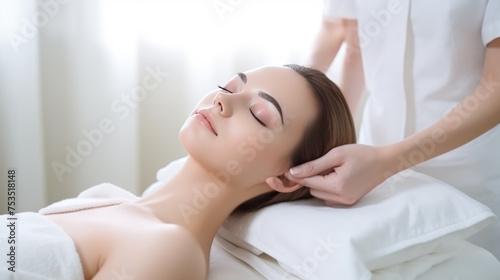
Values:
[(35, 248)]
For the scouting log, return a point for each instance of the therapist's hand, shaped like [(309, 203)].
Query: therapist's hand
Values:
[(345, 174)]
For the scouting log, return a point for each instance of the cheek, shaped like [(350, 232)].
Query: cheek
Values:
[(238, 145), (260, 164), (247, 153), (264, 152), (206, 101)]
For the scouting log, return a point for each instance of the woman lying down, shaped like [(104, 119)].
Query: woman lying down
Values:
[(288, 115)]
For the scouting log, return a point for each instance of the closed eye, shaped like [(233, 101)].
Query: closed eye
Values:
[(225, 89), (257, 119), (261, 122)]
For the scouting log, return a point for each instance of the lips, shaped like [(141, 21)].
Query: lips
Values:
[(205, 116)]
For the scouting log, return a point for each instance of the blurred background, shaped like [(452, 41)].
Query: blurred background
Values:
[(96, 91)]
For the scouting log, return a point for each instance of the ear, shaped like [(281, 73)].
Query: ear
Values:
[(282, 184)]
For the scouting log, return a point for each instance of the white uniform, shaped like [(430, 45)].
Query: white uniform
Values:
[(422, 58)]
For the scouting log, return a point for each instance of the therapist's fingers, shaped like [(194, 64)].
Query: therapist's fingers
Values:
[(328, 198), (318, 182), (331, 189), (322, 165), (357, 169)]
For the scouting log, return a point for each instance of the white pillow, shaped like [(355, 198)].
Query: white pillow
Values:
[(395, 223)]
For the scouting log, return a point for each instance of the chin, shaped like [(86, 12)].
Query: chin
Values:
[(198, 147), (189, 138)]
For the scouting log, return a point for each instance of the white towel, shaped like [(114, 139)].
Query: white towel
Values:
[(42, 250), (105, 194)]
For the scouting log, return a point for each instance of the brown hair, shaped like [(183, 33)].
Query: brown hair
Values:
[(332, 127)]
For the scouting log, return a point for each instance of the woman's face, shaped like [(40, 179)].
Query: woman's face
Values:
[(246, 130)]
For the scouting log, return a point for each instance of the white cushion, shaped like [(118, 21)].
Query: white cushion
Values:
[(405, 218), (395, 223)]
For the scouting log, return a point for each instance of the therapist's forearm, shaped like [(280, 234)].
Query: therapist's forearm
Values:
[(475, 115), (329, 39), (352, 79)]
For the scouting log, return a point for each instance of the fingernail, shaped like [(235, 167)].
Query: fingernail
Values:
[(294, 170)]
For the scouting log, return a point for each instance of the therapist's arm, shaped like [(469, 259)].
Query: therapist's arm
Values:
[(327, 44), (354, 170), (332, 34), (352, 79), (475, 115)]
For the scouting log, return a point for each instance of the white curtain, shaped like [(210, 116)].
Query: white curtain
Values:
[(96, 91)]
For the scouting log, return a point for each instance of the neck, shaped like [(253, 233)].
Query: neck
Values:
[(197, 200)]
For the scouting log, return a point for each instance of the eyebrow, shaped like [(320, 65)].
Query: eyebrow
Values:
[(243, 77), (265, 95), (273, 101)]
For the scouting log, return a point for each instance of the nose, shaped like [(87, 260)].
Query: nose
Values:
[(223, 102)]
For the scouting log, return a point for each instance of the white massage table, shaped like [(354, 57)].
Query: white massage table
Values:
[(442, 210), (471, 262)]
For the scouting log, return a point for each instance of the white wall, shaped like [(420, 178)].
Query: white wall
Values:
[(21, 131), (73, 73)]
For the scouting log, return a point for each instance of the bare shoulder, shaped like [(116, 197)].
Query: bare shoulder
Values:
[(161, 252), (185, 257)]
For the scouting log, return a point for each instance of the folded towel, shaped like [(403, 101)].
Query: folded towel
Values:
[(42, 250), (97, 196), (36, 249)]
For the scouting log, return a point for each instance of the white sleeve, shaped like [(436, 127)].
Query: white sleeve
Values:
[(339, 9), (491, 22)]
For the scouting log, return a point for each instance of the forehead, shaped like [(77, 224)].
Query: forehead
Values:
[(290, 89)]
